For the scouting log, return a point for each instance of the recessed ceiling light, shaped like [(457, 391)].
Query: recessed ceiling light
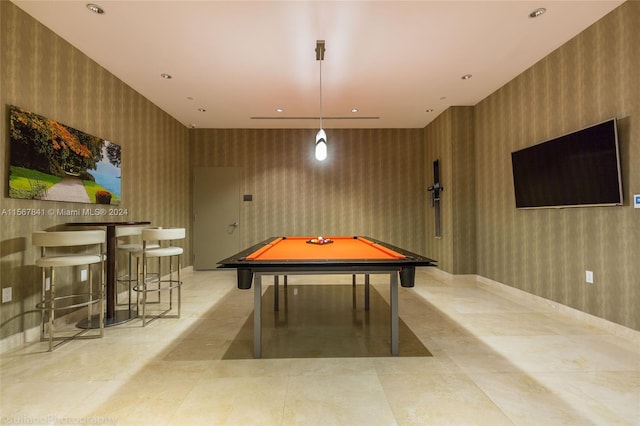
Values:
[(202, 110), (538, 12), (466, 76), (354, 110), (166, 76), (279, 110), (95, 8)]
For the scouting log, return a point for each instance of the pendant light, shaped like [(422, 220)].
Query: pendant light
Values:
[(321, 136)]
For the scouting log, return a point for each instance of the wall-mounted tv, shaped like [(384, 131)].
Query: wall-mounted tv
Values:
[(578, 169)]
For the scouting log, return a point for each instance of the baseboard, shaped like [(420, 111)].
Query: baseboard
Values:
[(592, 320), (33, 334), (517, 294), (16, 340)]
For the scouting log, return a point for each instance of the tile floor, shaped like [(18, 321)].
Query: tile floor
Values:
[(492, 358)]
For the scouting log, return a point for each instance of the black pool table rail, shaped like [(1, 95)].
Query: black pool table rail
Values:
[(246, 268)]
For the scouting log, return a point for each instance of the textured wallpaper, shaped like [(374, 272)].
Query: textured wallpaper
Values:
[(374, 182), (439, 146), (371, 184), (450, 139), (44, 74), (591, 78), (464, 191)]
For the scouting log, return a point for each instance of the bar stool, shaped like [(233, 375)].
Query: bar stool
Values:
[(53, 301), (129, 241), (146, 283)]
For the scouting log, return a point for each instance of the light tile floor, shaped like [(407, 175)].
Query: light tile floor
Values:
[(496, 359)]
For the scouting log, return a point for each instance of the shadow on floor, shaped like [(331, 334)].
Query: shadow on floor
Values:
[(320, 321)]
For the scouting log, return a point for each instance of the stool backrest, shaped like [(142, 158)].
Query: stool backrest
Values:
[(67, 238), (125, 231), (159, 234)]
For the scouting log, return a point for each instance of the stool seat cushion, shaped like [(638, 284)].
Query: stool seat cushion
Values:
[(160, 252), (75, 260)]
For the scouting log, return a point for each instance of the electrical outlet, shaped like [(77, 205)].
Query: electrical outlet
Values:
[(589, 277), (83, 275), (7, 294)]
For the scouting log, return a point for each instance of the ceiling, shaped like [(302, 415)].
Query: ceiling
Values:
[(399, 63)]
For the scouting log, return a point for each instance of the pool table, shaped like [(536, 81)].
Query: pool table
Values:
[(337, 255)]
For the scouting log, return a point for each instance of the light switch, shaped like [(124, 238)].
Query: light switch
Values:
[(7, 294), (589, 277)]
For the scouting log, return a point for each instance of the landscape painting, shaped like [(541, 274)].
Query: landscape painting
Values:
[(51, 161)]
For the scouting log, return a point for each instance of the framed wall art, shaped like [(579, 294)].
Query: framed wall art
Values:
[(54, 162)]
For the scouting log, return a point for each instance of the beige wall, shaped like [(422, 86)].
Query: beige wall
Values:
[(372, 183), (450, 140), (375, 181), (546, 252), (44, 74)]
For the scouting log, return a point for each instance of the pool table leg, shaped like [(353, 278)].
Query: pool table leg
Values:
[(394, 313), (257, 316), (366, 292), (276, 293)]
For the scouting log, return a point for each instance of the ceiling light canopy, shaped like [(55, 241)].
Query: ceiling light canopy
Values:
[(538, 12), (95, 8)]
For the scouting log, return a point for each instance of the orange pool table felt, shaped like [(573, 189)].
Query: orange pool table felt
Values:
[(342, 248)]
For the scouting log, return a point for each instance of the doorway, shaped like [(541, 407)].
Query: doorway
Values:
[(216, 215)]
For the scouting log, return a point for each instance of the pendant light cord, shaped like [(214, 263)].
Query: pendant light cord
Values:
[(321, 93)]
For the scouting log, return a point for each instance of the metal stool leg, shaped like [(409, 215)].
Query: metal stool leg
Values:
[(52, 308)]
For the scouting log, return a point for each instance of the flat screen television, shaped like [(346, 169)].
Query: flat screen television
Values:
[(578, 169)]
